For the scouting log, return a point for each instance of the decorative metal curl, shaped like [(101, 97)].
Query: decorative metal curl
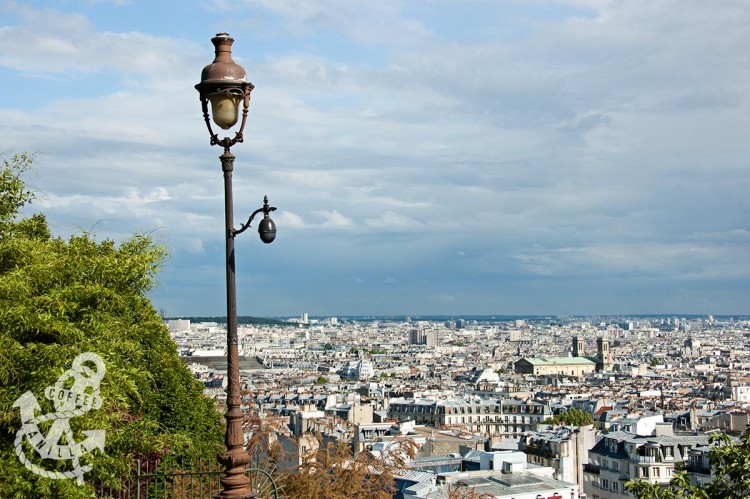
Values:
[(226, 142)]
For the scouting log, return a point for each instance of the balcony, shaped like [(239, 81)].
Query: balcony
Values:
[(591, 468), (540, 451), (643, 459), (698, 468)]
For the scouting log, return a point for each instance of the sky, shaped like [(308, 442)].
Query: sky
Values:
[(426, 157)]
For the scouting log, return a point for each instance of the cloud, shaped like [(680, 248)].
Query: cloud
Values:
[(334, 220), (391, 221), (48, 42), (559, 141), (682, 261), (381, 22), (290, 220)]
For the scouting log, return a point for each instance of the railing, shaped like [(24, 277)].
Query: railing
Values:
[(196, 480), (697, 468), (541, 452), (591, 468)]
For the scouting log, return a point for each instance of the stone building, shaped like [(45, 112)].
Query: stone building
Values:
[(509, 417), (621, 456), (578, 365), (562, 448)]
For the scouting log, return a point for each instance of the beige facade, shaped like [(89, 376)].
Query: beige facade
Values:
[(577, 365), (555, 366), (563, 448), (621, 456), (486, 416)]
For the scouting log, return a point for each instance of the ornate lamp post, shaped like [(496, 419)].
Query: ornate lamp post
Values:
[(224, 85)]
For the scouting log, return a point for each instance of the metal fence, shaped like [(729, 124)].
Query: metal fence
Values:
[(153, 480)]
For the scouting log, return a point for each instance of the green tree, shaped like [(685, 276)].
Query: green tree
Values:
[(63, 297), (322, 380), (333, 472), (730, 463), (572, 417)]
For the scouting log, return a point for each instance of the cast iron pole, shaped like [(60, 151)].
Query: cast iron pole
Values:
[(235, 482)]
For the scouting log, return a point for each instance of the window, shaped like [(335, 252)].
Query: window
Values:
[(616, 465), (605, 483), (615, 486)]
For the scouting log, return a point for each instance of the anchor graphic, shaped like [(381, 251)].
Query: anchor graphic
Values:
[(81, 397)]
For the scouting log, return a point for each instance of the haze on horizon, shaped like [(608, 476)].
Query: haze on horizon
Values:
[(569, 157)]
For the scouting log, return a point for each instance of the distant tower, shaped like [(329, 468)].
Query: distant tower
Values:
[(603, 357), (417, 337), (431, 338), (577, 346)]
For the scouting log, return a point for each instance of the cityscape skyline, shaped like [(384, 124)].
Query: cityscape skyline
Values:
[(305, 318), (457, 158)]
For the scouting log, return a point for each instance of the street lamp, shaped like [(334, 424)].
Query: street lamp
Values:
[(224, 85)]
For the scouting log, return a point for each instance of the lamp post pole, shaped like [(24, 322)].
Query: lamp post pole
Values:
[(224, 84), (234, 483)]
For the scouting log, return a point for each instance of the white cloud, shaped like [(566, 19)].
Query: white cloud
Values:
[(67, 45), (651, 260), (576, 138), (390, 221), (334, 220), (289, 220), (364, 22)]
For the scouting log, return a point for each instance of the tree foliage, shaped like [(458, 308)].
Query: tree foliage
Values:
[(462, 491), (333, 472), (730, 464), (572, 417), (62, 297)]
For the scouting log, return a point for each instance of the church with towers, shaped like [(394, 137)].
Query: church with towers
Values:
[(576, 365), (603, 358)]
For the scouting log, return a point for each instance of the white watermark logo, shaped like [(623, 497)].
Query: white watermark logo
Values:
[(75, 393)]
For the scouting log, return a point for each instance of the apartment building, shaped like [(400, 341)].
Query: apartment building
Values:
[(621, 456), (562, 448), (509, 417)]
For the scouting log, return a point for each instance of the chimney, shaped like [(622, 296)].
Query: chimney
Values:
[(664, 430)]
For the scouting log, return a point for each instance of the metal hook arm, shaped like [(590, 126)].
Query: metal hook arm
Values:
[(265, 210)]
